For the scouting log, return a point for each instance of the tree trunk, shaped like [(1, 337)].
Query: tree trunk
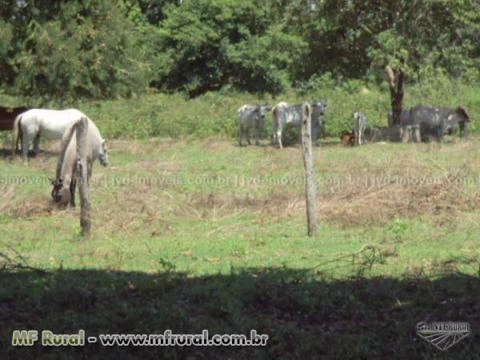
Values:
[(396, 83)]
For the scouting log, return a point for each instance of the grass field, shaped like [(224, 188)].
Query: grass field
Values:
[(203, 234)]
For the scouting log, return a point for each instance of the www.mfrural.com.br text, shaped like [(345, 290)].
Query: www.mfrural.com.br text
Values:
[(48, 338)]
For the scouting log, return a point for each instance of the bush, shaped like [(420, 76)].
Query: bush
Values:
[(215, 113)]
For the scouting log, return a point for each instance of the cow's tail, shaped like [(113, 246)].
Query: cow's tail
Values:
[(16, 133)]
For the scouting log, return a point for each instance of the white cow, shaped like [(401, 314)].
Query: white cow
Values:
[(285, 114), (251, 117), (360, 123)]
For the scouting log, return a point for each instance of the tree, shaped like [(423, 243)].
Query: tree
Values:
[(206, 44), (76, 49)]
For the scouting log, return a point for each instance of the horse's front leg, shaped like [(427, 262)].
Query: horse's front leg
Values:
[(72, 193), (89, 171)]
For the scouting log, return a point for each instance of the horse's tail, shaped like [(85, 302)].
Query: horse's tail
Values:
[(66, 138), (15, 133)]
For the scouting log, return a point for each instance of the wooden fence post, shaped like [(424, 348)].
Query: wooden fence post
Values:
[(82, 177), (310, 184)]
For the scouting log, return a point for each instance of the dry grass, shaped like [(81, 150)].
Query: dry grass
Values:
[(359, 205), (24, 208), (377, 190)]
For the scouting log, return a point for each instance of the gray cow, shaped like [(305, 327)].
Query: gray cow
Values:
[(434, 121), (404, 118), (360, 124), (285, 114), (439, 121), (251, 117)]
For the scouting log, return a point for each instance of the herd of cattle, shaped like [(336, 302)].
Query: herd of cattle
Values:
[(420, 123)]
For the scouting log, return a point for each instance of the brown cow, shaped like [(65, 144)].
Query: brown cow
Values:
[(7, 118), (347, 138), (8, 115)]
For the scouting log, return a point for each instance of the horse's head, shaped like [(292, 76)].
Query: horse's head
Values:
[(60, 193), (103, 155)]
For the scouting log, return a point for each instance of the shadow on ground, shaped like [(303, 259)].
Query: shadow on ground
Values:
[(7, 154), (304, 315)]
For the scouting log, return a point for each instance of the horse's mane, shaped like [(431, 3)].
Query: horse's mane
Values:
[(66, 139)]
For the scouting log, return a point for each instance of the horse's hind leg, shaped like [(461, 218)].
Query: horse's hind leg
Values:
[(26, 141), (19, 140), (36, 144)]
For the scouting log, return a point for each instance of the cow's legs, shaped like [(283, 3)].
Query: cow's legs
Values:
[(257, 135), (240, 133), (278, 135), (274, 133), (440, 132), (463, 129)]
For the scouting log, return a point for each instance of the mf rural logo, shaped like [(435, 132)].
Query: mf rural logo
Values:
[(443, 335)]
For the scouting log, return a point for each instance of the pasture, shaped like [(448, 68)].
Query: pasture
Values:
[(203, 234)]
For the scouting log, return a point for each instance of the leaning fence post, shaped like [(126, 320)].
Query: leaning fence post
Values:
[(81, 174), (310, 184)]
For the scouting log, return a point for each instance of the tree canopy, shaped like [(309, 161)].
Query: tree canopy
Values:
[(104, 48)]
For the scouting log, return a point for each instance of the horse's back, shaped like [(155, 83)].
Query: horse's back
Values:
[(51, 123)]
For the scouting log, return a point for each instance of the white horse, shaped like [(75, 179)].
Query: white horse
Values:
[(35, 122), (64, 184)]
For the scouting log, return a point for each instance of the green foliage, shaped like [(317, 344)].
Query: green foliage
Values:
[(205, 45), (88, 50), (105, 49)]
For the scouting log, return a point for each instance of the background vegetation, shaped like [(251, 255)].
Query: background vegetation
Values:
[(105, 49)]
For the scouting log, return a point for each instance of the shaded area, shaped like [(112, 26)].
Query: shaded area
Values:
[(305, 315)]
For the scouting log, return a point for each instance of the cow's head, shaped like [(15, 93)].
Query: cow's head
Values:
[(462, 112), (318, 114), (262, 110), (60, 193)]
